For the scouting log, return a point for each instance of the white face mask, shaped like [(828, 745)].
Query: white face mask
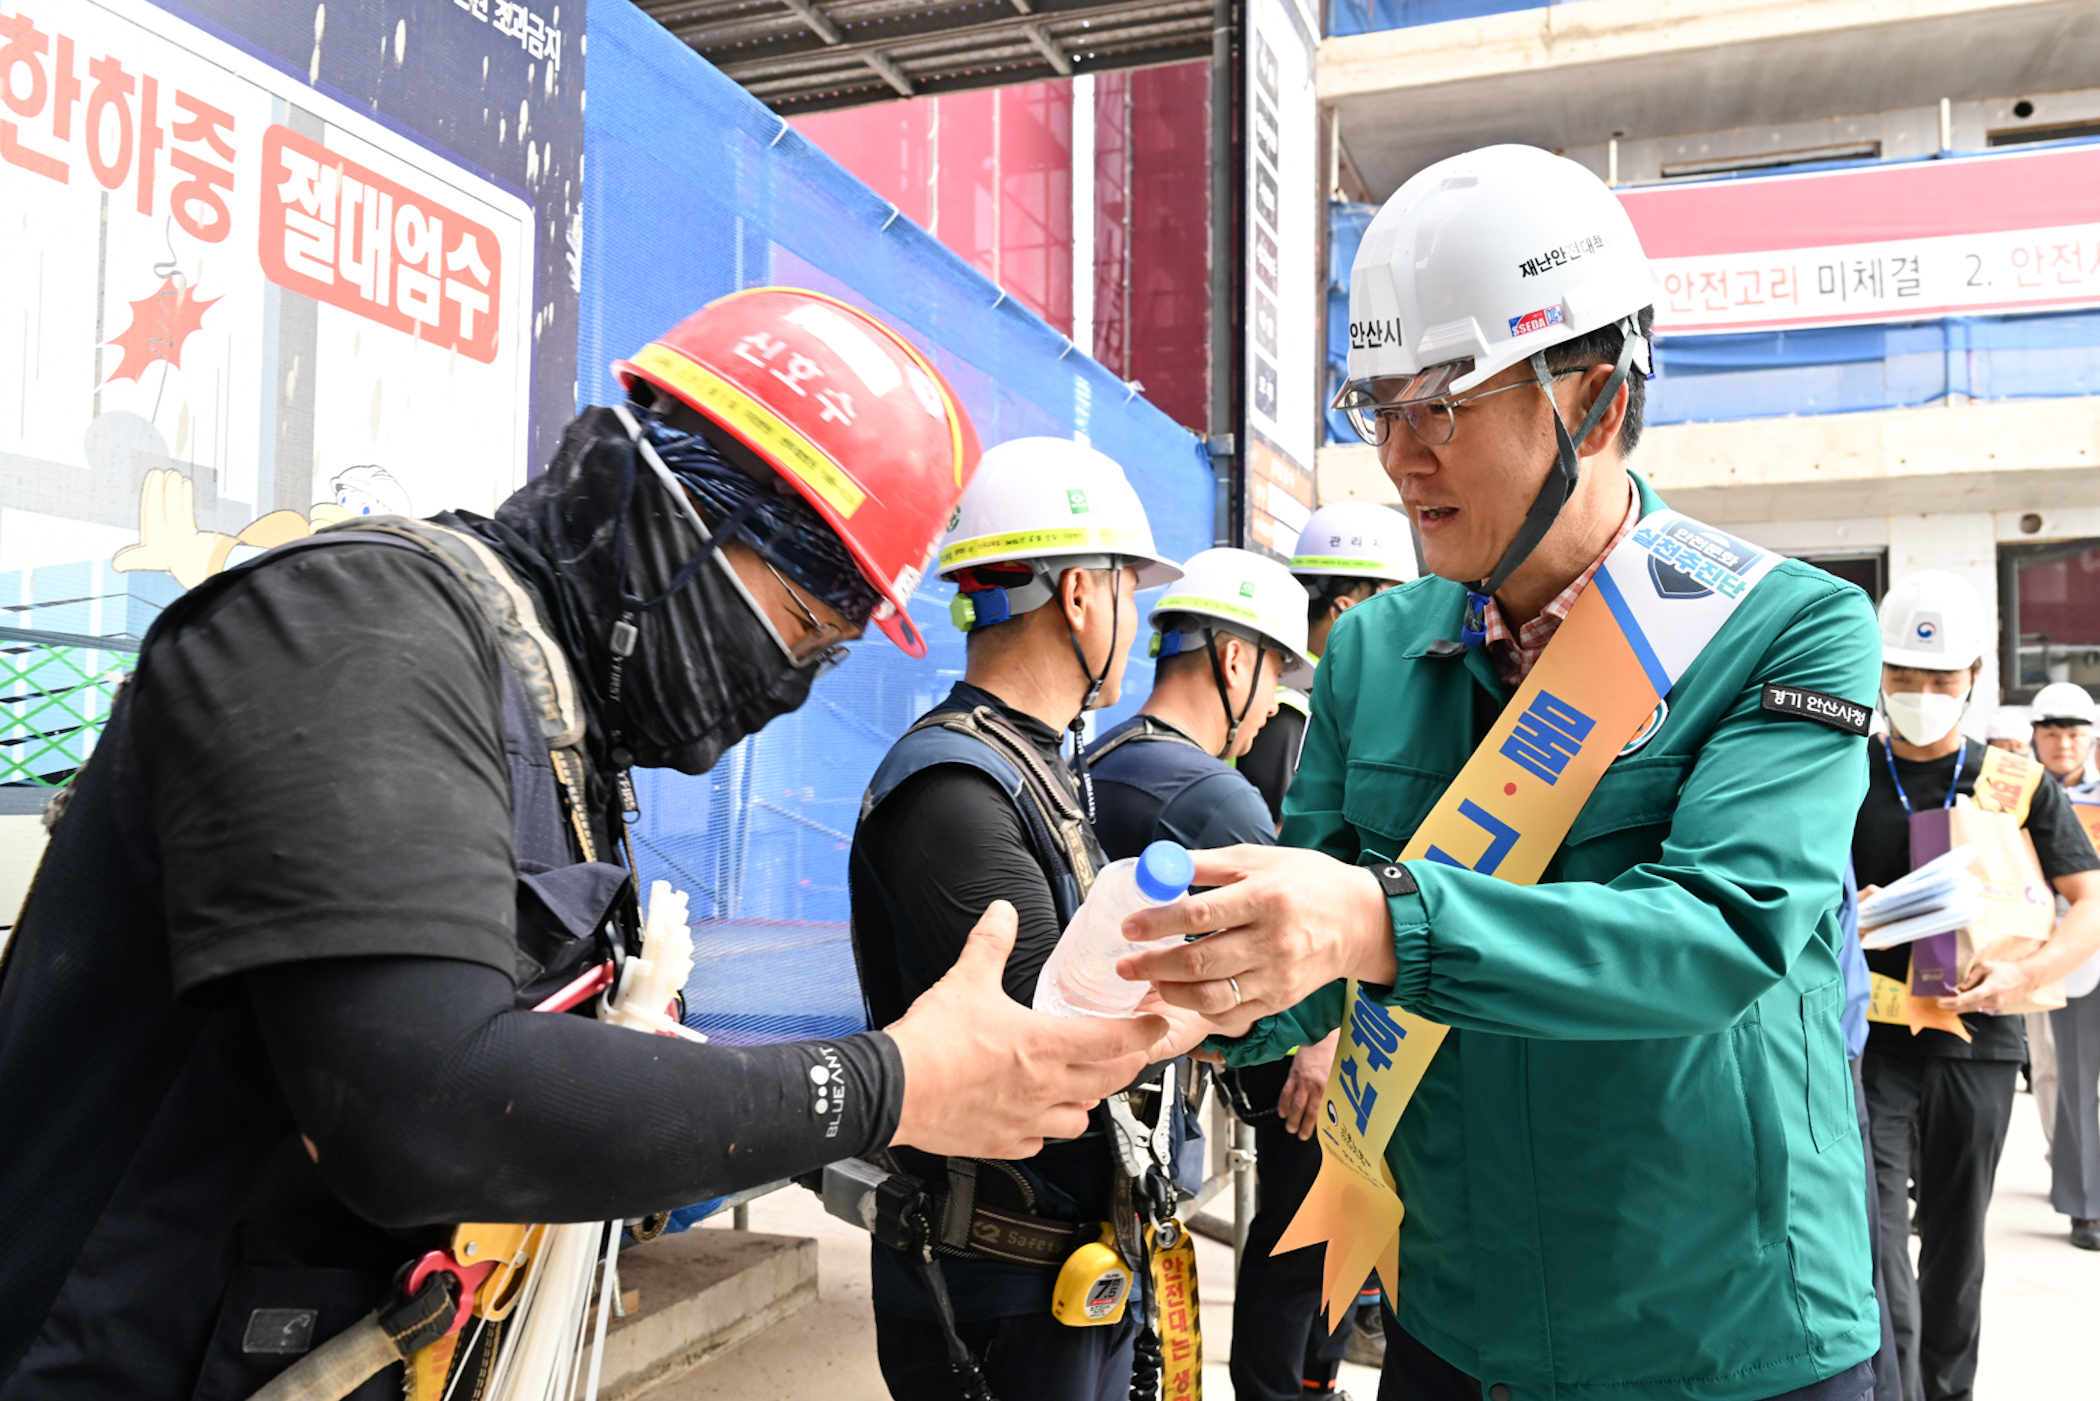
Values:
[(1923, 717)]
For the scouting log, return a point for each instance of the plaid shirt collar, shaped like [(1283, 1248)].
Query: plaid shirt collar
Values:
[(1515, 654)]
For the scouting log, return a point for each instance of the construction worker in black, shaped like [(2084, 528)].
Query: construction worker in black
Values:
[(1347, 552), (1048, 548), (269, 1023), (1222, 635)]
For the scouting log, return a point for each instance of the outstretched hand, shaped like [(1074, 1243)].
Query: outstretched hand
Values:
[(1288, 922), (985, 1077)]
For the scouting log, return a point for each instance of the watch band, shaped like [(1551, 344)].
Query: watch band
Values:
[(1392, 878)]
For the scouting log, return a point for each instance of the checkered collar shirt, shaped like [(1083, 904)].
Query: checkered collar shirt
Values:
[(1515, 654)]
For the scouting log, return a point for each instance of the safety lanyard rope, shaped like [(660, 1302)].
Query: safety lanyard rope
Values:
[(1888, 752)]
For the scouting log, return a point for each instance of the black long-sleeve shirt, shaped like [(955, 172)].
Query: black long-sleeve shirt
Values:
[(949, 842), (280, 903)]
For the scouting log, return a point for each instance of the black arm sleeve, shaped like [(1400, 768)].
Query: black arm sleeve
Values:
[(429, 1099), (947, 844)]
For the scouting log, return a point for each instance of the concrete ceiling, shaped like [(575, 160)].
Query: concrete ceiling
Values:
[(812, 55), (1574, 75)]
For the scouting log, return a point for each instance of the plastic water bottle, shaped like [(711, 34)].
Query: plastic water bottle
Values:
[(1080, 978)]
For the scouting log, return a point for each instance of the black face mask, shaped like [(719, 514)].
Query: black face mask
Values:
[(706, 669), (603, 540)]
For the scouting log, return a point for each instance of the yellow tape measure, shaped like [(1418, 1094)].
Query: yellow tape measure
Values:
[(1093, 1287)]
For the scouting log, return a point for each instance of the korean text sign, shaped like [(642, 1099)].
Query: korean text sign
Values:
[(354, 239), (1904, 241)]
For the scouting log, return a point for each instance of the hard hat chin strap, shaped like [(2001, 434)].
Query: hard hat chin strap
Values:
[(1094, 682), (1561, 479), (1217, 672)]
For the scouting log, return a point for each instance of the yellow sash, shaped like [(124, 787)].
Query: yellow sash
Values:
[(2007, 782), (1649, 612)]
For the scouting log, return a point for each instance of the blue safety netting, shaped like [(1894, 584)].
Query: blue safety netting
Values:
[(1847, 369), (1346, 223), (694, 189), (1367, 16)]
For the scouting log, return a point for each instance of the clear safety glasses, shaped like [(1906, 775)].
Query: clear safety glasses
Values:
[(1371, 406), (821, 642)]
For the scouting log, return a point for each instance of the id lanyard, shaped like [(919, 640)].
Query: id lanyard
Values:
[(1888, 752)]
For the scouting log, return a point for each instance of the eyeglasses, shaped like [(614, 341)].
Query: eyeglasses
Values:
[(816, 645), (1430, 416)]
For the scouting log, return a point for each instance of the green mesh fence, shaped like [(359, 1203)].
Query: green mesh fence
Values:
[(54, 700)]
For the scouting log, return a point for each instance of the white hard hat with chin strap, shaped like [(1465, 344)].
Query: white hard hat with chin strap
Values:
[(1479, 262), (1036, 508), (1239, 594)]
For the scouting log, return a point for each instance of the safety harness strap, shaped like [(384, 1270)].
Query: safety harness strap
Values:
[(1149, 728), (540, 665), (1051, 797), (1020, 1239)]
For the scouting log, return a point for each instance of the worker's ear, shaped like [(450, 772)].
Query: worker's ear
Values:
[(1071, 584)]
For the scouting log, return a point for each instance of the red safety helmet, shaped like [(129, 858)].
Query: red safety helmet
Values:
[(847, 411)]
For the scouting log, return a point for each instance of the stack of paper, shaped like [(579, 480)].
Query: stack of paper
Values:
[(1939, 896)]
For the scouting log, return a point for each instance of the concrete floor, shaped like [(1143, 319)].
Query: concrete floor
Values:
[(2040, 1302)]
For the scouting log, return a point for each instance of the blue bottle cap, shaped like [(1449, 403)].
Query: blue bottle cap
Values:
[(1165, 870)]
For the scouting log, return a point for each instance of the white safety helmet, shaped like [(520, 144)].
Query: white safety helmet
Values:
[(2061, 703), (1236, 593), (1488, 258), (1480, 262), (1933, 620), (1358, 540), (1251, 596), (2009, 724), (1044, 505)]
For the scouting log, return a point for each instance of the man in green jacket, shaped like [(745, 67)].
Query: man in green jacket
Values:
[(1631, 1171)]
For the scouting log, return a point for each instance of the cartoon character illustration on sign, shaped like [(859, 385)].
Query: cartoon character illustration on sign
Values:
[(170, 539)]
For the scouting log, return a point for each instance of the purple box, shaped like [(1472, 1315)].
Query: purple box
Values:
[(1935, 961)]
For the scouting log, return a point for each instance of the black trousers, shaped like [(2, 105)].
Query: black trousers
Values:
[(1939, 1122), (1029, 1357), (1414, 1373), (1888, 1375), (1280, 1343)]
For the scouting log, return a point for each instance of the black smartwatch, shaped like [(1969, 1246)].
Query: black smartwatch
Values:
[(1392, 877)]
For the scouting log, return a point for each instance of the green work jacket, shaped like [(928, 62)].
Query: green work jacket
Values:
[(1634, 1169)]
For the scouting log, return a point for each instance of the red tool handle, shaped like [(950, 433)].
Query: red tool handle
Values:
[(469, 1277)]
